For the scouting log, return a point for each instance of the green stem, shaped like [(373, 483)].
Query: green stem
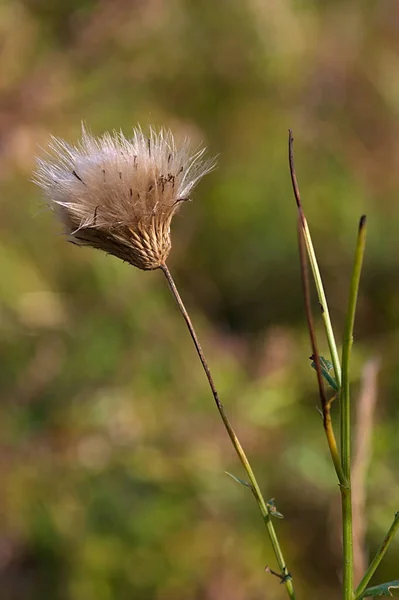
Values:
[(347, 541), (346, 414), (285, 575), (378, 558), (315, 267), (347, 347), (325, 403), (323, 301)]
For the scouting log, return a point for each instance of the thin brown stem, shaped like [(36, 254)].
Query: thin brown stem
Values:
[(285, 575)]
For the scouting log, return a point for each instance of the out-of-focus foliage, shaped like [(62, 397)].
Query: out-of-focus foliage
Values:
[(112, 454)]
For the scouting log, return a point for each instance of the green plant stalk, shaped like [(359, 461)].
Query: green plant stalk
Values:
[(345, 414), (347, 347), (325, 403), (323, 301), (314, 266), (285, 575), (347, 541), (378, 558)]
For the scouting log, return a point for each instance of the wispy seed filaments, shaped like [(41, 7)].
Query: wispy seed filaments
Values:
[(127, 210)]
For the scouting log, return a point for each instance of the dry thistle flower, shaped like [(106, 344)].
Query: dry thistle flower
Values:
[(119, 194)]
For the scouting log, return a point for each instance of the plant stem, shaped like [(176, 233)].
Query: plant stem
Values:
[(347, 347), (315, 267), (378, 557), (347, 541), (325, 403), (347, 529), (286, 577)]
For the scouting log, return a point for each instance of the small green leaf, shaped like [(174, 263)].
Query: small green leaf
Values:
[(238, 480), (384, 589), (325, 366), (273, 510)]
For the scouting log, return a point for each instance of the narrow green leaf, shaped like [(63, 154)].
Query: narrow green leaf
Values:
[(326, 364), (384, 589), (238, 480), (326, 367)]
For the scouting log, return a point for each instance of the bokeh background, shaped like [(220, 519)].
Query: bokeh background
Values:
[(112, 456)]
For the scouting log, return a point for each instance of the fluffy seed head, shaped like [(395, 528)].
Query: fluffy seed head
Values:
[(119, 194)]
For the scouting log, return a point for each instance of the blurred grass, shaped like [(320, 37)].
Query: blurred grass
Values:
[(112, 457)]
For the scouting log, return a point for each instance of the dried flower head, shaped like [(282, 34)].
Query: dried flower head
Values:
[(119, 194)]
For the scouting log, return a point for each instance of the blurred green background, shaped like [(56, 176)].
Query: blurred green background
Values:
[(112, 456)]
